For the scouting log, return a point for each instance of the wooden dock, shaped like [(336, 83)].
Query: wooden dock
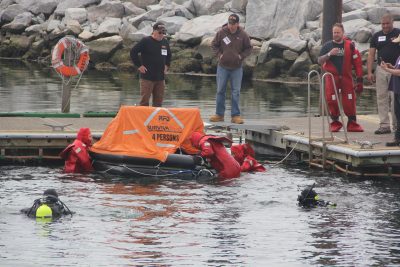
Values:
[(35, 138), (365, 153)]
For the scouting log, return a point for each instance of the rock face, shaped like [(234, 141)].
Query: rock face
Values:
[(193, 30), (102, 49), (268, 18), (286, 34)]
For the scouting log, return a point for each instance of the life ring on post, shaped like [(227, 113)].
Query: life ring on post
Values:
[(76, 47)]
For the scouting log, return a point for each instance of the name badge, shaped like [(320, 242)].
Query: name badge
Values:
[(226, 40), (163, 52), (381, 38)]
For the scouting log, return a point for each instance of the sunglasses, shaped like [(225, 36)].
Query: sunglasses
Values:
[(162, 31)]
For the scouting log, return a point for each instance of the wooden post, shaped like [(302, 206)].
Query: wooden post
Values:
[(66, 83), (65, 97), (332, 13)]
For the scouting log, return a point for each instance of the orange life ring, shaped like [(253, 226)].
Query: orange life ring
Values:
[(77, 67)]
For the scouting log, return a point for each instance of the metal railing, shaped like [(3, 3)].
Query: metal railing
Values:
[(323, 112)]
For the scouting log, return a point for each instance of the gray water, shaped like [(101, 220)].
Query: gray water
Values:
[(37, 88), (249, 221)]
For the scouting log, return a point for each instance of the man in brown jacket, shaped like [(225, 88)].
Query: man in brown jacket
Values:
[(232, 45)]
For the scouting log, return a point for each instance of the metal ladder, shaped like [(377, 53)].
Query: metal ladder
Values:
[(324, 112)]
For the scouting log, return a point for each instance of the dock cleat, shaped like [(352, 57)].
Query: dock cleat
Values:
[(335, 126), (353, 126)]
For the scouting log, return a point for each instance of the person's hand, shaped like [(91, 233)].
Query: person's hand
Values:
[(165, 69), (142, 69), (334, 51), (371, 77)]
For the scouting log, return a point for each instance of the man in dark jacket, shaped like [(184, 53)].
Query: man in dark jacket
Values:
[(232, 45), (153, 64)]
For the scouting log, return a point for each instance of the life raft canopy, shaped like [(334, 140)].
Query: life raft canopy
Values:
[(70, 57), (150, 132)]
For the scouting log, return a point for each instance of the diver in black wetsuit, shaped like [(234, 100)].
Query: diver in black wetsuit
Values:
[(47, 207), (308, 198)]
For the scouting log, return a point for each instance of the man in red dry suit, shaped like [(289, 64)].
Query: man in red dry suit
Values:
[(338, 57), (213, 149), (76, 155), (245, 156)]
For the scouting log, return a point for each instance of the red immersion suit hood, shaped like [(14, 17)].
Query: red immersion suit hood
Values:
[(195, 139), (84, 136)]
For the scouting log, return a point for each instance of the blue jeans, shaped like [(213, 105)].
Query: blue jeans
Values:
[(235, 78)]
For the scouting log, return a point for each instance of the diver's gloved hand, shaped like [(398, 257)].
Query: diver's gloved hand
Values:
[(323, 203), (331, 204)]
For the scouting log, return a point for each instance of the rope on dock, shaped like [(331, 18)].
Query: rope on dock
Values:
[(290, 152)]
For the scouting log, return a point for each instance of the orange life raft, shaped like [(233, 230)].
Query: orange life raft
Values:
[(148, 141), (77, 66)]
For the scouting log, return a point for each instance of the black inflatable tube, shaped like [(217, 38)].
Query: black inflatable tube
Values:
[(173, 160), (143, 171)]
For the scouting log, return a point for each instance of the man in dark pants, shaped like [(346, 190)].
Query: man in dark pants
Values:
[(153, 64), (388, 52)]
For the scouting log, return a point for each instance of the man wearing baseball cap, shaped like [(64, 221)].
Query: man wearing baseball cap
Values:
[(232, 45), (153, 64)]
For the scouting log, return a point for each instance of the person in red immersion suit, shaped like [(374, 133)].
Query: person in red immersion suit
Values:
[(338, 57), (213, 149), (76, 155), (245, 156)]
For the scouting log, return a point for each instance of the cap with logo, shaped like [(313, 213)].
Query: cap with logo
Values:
[(233, 19), (160, 27)]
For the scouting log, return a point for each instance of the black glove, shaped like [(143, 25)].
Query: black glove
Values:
[(199, 160)]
